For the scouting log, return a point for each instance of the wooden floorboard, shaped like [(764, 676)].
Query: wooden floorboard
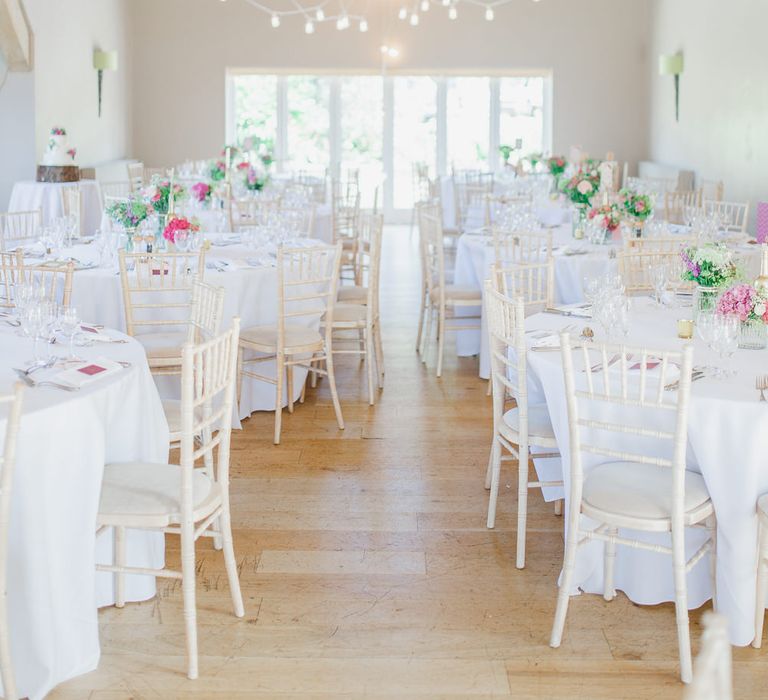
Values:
[(367, 570)]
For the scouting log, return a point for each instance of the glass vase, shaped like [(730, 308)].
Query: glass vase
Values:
[(753, 335), (129, 245), (578, 222), (705, 300), (159, 244)]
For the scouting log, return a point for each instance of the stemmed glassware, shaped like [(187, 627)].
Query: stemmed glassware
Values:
[(659, 276), (69, 323), (726, 330)]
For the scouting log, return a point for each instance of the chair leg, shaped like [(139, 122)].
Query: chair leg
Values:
[(609, 565), (379, 353), (280, 370), (712, 528), (361, 344), (762, 565), (239, 375), (421, 322), (119, 544), (427, 337), (230, 562), (559, 506), (440, 341), (566, 579), (334, 392), (522, 502), (188, 591), (370, 360), (303, 394), (289, 386), (681, 607), (313, 383), (492, 479)]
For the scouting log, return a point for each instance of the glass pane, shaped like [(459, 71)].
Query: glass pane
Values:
[(361, 132), (468, 122), (256, 108), (522, 114), (415, 133), (308, 122)]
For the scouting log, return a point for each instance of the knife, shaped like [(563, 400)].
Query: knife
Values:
[(24, 377)]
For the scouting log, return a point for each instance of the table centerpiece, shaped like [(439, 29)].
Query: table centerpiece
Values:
[(129, 214), (750, 305), (711, 268)]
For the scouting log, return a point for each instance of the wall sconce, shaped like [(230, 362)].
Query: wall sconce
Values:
[(672, 64), (103, 60)]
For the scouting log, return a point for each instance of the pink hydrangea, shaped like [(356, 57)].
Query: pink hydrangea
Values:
[(742, 300)]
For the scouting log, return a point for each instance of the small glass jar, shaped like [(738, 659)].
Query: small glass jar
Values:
[(753, 335)]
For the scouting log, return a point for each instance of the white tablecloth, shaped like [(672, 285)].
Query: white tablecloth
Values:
[(727, 444), (250, 293), (475, 255), (46, 196), (65, 439)]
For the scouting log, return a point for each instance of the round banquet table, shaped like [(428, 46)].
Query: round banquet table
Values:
[(46, 196), (727, 444), (249, 279), (64, 441)]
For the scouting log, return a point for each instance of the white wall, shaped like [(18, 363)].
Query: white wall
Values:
[(596, 49), (722, 133), (17, 132)]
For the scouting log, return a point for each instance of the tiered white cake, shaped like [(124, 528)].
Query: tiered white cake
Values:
[(58, 162)]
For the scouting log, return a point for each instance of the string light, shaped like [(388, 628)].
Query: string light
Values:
[(425, 5), (363, 26), (309, 27), (453, 13), (489, 14), (403, 13), (275, 21), (319, 15), (414, 20)]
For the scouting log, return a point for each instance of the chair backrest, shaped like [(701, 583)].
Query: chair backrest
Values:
[(7, 464), (733, 215), (345, 209), (619, 410), (635, 266), (676, 202), (505, 317), (499, 208), (656, 186), (71, 200), (11, 274), (521, 246), (298, 219), (713, 668), (658, 244), (371, 230), (208, 372), (432, 247), (307, 280), (135, 176), (54, 278), (470, 187), (316, 182), (19, 228), (157, 289), (713, 190), (206, 312), (120, 189), (533, 283), (253, 211)]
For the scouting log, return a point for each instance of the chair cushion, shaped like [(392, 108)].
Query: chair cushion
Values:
[(349, 313), (150, 491), (295, 336), (463, 293), (162, 345), (539, 424), (640, 490), (357, 295)]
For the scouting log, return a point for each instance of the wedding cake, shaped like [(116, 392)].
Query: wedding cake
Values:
[(58, 162)]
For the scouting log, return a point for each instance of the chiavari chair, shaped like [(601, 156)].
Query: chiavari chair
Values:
[(675, 204), (19, 228)]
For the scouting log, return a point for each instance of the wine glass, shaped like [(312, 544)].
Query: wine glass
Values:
[(725, 340), (69, 322), (659, 275)]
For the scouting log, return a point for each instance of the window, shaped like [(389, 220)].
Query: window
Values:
[(380, 126)]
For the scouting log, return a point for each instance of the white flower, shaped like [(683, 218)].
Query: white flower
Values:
[(759, 309), (584, 187)]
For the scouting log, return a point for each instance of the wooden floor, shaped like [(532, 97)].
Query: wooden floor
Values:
[(367, 570)]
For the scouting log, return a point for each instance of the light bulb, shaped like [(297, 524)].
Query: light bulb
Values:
[(425, 5), (309, 27), (320, 15), (452, 13), (403, 13), (489, 14), (363, 25), (393, 53), (275, 21), (384, 48), (446, 3), (414, 20), (342, 23)]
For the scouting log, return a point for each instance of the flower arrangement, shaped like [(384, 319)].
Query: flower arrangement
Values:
[(58, 131), (534, 159), (128, 213), (607, 216), (582, 187), (556, 165), (158, 194), (638, 206), (255, 180), (178, 224), (744, 301), (218, 170), (506, 152), (709, 265), (201, 192)]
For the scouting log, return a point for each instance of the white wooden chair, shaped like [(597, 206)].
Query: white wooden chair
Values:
[(656, 186), (120, 189), (307, 280), (713, 668), (135, 176), (255, 211), (7, 465), (762, 569), (712, 190), (19, 228), (72, 205), (533, 283), (206, 315), (443, 300), (433, 210), (316, 182), (157, 300), (733, 215), (299, 220), (521, 246), (362, 315), (470, 189), (345, 222), (635, 265), (627, 466), (515, 429), (676, 202), (184, 500), (11, 274)]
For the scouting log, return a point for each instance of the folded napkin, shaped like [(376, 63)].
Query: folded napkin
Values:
[(578, 310), (548, 341), (87, 372), (93, 334)]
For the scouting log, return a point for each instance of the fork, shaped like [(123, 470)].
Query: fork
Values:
[(761, 384)]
